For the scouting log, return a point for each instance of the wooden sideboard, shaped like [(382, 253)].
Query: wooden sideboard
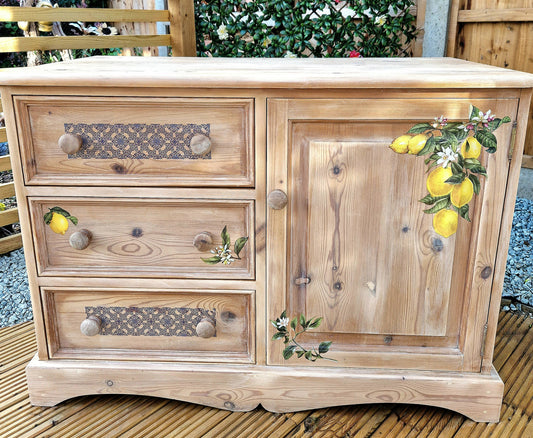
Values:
[(163, 161)]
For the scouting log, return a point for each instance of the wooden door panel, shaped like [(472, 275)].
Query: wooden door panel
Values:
[(360, 252), (360, 281)]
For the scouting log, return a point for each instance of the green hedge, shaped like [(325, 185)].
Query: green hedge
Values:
[(277, 28)]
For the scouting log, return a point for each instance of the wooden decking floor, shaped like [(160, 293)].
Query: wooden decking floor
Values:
[(145, 417)]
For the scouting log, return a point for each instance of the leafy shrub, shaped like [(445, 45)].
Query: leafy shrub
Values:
[(276, 28)]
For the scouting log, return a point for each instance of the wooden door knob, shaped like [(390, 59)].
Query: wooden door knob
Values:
[(70, 143), (200, 145), (80, 239), (203, 241), (277, 199), (206, 328), (91, 326)]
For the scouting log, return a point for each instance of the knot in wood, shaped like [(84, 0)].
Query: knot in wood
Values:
[(486, 272)]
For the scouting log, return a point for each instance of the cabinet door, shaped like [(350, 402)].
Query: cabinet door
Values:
[(353, 245)]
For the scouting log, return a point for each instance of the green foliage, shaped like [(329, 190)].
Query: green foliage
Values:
[(277, 28), (287, 330)]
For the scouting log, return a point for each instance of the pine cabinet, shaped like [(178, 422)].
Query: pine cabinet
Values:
[(244, 232)]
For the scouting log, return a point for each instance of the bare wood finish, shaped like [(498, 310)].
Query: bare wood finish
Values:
[(230, 120), (231, 341), (5, 163), (137, 238), (408, 312), (10, 243), (80, 239), (7, 190), (182, 28), (91, 326), (9, 216), (70, 143)]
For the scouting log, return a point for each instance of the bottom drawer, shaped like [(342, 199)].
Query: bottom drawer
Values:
[(177, 325)]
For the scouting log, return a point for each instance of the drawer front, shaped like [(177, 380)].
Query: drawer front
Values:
[(132, 237), (177, 325), (136, 141)]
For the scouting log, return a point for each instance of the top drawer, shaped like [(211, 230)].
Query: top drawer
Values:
[(136, 141)]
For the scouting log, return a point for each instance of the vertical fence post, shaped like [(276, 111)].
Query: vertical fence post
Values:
[(182, 29)]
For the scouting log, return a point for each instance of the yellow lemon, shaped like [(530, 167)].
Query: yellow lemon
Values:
[(445, 222), (417, 143), (59, 223), (474, 148), (400, 145), (462, 193), (435, 182)]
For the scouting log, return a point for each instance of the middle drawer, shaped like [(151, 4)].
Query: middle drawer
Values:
[(144, 237)]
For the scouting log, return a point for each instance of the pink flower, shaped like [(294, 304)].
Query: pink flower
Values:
[(355, 54)]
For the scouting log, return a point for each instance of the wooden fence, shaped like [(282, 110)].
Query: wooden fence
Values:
[(180, 15), (11, 215), (498, 33)]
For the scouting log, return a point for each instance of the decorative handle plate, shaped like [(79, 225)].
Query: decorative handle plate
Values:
[(80, 239), (277, 199), (200, 145), (70, 143), (91, 326), (206, 328)]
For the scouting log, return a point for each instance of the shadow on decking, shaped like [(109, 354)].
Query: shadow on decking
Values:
[(131, 416)]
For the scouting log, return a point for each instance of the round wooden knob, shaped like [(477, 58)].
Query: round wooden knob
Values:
[(80, 239), (70, 143), (277, 199), (91, 326), (206, 328), (200, 145), (203, 241)]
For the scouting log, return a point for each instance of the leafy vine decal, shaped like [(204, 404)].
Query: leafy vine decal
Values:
[(288, 331), (453, 149), (223, 254)]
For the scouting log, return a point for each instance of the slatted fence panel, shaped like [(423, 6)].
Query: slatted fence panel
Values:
[(180, 15), (495, 32), (9, 216)]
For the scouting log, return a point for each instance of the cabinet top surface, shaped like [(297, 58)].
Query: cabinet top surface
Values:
[(268, 73)]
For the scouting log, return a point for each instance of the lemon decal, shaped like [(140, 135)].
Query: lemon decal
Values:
[(400, 145), (417, 143), (59, 223), (436, 184), (58, 219), (445, 222), (473, 146), (462, 193), (452, 150)]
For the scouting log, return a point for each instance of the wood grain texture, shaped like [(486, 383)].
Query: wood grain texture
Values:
[(13, 13), (5, 163), (311, 73), (142, 237), (230, 121), (234, 319), (243, 388)]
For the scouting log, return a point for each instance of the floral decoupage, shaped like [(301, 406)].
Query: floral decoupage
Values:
[(453, 150)]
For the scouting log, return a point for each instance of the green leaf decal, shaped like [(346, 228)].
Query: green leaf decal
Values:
[(456, 179), (479, 170), (506, 119), (73, 219), (474, 112), (419, 128), (487, 139), (429, 147), (225, 236), (463, 212), (475, 183), (294, 323), (441, 204), (430, 200), (315, 323), (212, 260), (239, 245), (48, 217), (456, 168), (324, 347), (278, 335), (60, 211), (288, 351)]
